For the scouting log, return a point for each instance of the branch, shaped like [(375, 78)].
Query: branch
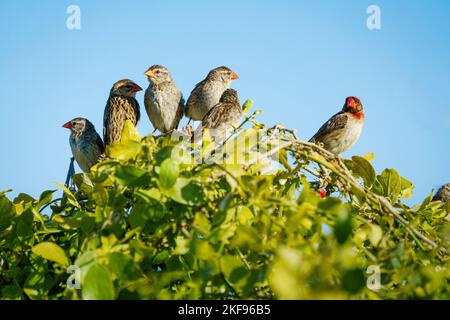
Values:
[(348, 179)]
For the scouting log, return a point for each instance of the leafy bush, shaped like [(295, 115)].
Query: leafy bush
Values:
[(149, 222)]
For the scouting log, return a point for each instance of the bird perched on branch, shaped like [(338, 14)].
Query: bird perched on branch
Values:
[(223, 118), (443, 193), (207, 93), (121, 106), (86, 144), (164, 103), (343, 129)]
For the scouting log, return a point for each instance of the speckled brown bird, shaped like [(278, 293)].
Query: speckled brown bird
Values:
[(443, 193), (222, 119), (163, 101), (207, 93), (342, 130), (121, 106), (86, 144)]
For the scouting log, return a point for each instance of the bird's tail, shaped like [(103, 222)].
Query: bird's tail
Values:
[(70, 172)]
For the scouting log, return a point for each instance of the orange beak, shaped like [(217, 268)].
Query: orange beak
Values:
[(68, 125), (136, 88), (149, 73), (234, 76)]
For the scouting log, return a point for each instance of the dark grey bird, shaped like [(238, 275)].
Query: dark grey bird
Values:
[(86, 144), (222, 119), (163, 101), (207, 93), (121, 106)]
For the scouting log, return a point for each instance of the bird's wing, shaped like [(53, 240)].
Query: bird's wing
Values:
[(215, 116), (105, 123), (180, 112), (99, 142), (193, 96), (336, 122), (198, 85), (137, 109)]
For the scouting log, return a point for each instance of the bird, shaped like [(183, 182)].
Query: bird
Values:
[(86, 144), (207, 93), (163, 102), (443, 193), (223, 118), (343, 129), (121, 106)]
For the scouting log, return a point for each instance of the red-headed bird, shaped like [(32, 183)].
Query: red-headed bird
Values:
[(343, 129)]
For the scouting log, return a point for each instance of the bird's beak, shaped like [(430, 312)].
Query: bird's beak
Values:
[(136, 88), (149, 73), (68, 125), (234, 76)]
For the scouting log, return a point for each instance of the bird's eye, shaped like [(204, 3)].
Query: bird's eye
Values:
[(157, 71)]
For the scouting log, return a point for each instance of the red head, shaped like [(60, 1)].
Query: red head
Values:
[(353, 105)]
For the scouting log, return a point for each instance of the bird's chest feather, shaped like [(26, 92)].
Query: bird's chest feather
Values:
[(162, 103), (352, 131), (82, 152), (212, 93)]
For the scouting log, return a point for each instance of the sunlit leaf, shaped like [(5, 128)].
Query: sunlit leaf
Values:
[(97, 283), (51, 251)]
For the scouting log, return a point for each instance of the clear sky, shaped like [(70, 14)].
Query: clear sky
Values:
[(297, 60)]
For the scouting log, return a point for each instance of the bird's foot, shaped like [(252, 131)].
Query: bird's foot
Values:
[(187, 130)]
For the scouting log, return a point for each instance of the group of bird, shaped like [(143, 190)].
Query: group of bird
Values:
[(211, 101)]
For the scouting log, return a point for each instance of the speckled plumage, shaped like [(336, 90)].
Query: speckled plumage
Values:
[(86, 144), (163, 101), (121, 106), (223, 118), (207, 93), (342, 130), (443, 193)]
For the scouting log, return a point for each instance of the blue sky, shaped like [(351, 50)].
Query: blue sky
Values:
[(297, 60)]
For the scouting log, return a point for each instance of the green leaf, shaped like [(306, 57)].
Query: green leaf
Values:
[(343, 225), (70, 197), (45, 197), (234, 269), (391, 184), (11, 292), (353, 280), (362, 168), (246, 106), (244, 214), (186, 192), (97, 283), (7, 212), (369, 157), (132, 176), (376, 234), (83, 183), (122, 266), (125, 150), (51, 251), (129, 132), (168, 173)]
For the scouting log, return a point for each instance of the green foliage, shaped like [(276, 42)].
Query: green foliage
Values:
[(148, 223)]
